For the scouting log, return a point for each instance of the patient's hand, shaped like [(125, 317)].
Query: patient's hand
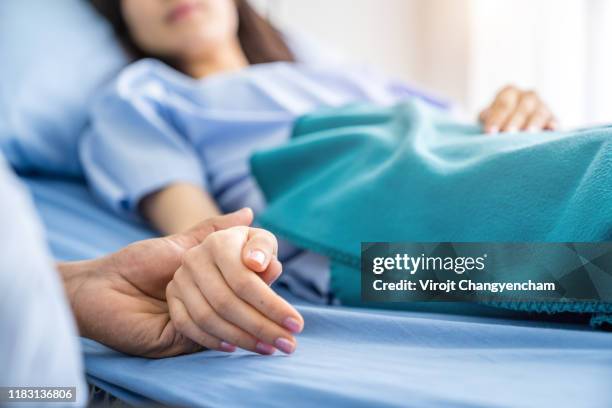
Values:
[(218, 302), (515, 110), (120, 300)]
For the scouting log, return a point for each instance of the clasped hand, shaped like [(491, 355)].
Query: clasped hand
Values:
[(205, 288)]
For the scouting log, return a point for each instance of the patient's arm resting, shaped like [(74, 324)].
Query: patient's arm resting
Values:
[(410, 174), (178, 207)]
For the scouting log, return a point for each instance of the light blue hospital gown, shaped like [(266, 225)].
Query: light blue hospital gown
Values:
[(38, 339), (154, 126)]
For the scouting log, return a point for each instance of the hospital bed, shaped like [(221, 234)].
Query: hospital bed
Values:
[(346, 357)]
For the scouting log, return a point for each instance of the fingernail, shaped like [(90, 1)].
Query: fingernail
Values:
[(264, 348), (512, 129), (292, 325), (284, 345), (227, 347), (257, 256), (532, 129), (493, 130)]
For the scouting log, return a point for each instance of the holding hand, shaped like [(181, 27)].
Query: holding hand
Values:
[(514, 110), (120, 300), (218, 302)]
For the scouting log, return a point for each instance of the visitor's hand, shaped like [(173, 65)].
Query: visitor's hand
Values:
[(514, 110), (218, 302), (120, 300)]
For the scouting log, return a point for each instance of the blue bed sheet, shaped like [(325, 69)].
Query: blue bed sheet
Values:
[(346, 357)]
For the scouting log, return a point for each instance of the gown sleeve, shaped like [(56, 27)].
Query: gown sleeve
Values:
[(132, 147)]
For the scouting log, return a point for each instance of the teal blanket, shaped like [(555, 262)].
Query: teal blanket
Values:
[(410, 174)]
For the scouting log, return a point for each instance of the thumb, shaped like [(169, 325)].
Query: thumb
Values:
[(197, 234), (259, 250)]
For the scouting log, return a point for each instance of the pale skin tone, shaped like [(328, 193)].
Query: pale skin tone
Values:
[(514, 110), (155, 298), (212, 292)]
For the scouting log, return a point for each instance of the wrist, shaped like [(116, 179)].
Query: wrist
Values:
[(74, 275)]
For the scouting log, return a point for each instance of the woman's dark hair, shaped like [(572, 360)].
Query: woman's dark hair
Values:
[(260, 41)]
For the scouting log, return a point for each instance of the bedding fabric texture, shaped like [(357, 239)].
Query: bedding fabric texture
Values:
[(346, 357), (408, 174), (55, 55)]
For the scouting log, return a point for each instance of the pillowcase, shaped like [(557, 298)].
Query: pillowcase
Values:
[(55, 54)]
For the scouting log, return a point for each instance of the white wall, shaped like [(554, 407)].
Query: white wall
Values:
[(379, 32), (599, 70), (468, 49), (425, 42), (538, 44), (444, 48)]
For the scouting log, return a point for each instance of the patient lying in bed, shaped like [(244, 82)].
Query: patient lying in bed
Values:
[(171, 141)]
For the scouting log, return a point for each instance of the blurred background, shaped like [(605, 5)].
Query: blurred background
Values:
[(468, 49)]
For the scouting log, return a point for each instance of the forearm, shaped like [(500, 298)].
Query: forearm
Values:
[(178, 207)]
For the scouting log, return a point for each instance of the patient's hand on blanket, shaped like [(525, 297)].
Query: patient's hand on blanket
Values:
[(120, 300), (514, 110)]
